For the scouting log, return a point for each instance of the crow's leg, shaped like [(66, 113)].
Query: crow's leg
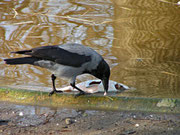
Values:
[(81, 92), (53, 77), (72, 83)]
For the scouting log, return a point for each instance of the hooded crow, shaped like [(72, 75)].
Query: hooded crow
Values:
[(66, 61)]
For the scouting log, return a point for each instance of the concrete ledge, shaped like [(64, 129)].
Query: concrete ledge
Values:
[(94, 101)]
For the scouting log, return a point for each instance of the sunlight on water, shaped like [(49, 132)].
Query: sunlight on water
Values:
[(138, 38)]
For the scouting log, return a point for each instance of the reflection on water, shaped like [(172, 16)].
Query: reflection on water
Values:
[(139, 39)]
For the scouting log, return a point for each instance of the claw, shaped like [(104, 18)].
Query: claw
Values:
[(80, 94), (55, 91), (51, 93)]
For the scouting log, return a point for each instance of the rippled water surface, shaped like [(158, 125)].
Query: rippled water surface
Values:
[(140, 39)]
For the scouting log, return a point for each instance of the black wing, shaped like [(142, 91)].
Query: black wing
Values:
[(58, 55)]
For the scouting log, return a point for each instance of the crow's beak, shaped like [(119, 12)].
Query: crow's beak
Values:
[(105, 82)]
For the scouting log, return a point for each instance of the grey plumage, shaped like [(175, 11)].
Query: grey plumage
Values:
[(67, 61)]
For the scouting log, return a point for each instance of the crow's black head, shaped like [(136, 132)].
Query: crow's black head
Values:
[(103, 72)]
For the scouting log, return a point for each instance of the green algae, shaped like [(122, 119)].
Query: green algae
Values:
[(93, 101), (167, 102)]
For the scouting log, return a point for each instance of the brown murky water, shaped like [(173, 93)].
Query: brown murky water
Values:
[(140, 39)]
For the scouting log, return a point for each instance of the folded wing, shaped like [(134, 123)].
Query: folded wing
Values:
[(58, 55)]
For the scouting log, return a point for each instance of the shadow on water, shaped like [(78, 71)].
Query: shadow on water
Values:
[(138, 38)]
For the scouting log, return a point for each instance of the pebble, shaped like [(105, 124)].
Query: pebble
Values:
[(68, 121), (170, 128), (21, 114)]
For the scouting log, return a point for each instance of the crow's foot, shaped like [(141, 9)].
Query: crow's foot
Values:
[(55, 91)]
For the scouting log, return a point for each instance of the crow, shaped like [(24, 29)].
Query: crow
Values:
[(66, 61)]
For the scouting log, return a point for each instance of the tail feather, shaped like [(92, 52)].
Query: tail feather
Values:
[(22, 60)]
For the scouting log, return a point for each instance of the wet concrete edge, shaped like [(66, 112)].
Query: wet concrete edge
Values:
[(94, 101)]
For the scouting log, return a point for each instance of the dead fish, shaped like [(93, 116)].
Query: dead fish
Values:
[(94, 86)]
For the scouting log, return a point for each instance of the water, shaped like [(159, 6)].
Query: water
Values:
[(23, 116), (138, 38)]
